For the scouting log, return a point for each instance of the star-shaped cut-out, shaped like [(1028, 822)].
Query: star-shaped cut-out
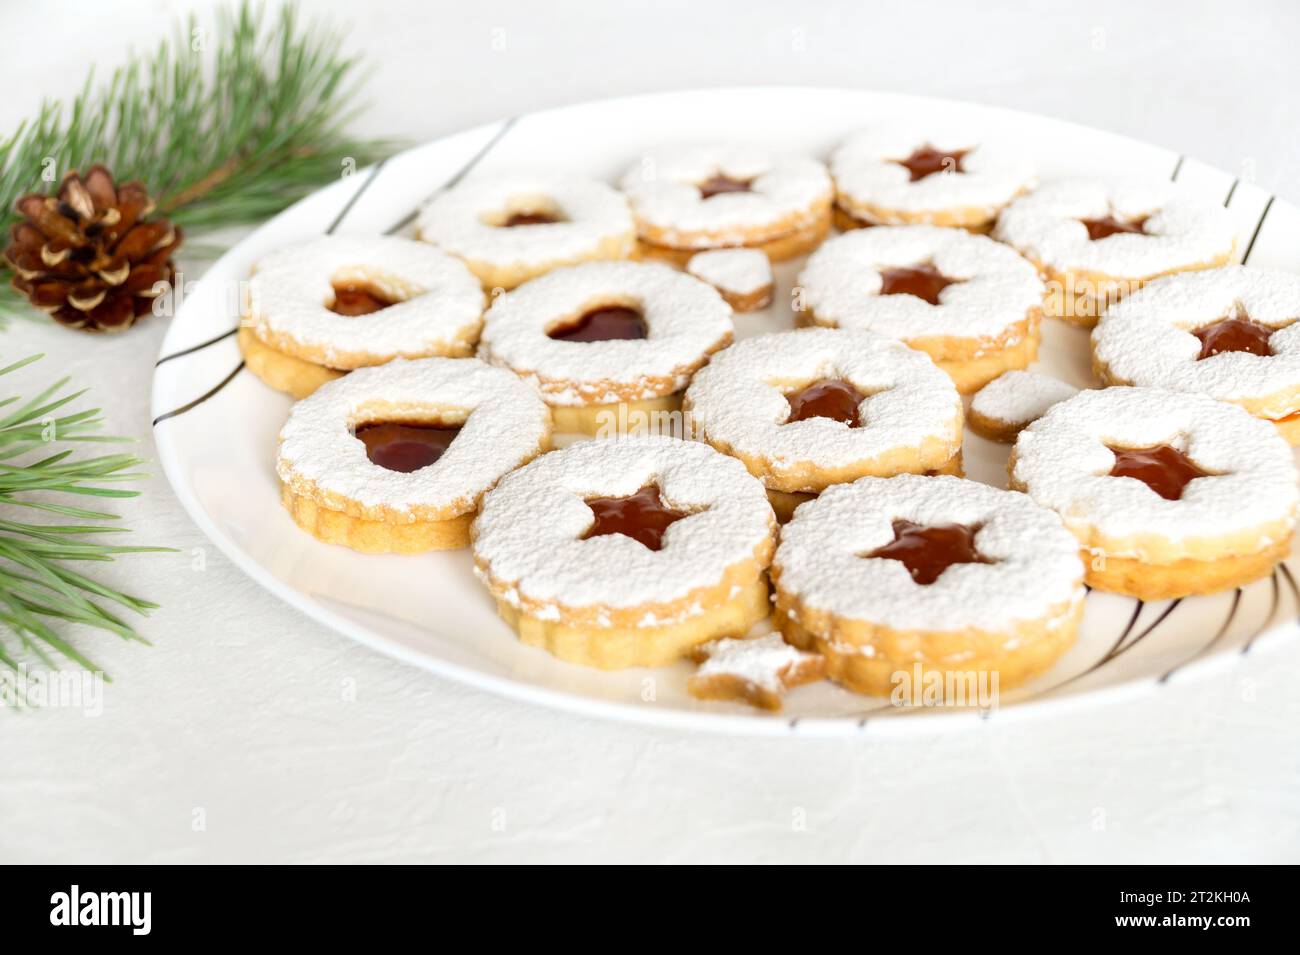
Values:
[(1110, 224), (927, 552), (757, 670), (927, 161), (1163, 468), (923, 281), (642, 516)]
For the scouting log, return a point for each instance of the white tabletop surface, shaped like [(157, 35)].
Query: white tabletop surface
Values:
[(247, 732)]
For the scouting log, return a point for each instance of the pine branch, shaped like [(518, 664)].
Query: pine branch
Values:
[(224, 126), (39, 463)]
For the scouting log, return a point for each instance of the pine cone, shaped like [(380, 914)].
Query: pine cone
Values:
[(88, 256)]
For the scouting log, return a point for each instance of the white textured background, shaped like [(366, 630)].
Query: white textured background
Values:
[(236, 715)]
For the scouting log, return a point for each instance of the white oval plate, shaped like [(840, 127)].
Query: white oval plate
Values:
[(216, 424)]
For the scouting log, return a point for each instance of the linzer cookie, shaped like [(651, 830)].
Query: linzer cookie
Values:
[(888, 577), (689, 198), (971, 304), (756, 671), (397, 458), (899, 173), (511, 228), (1228, 333), (627, 552), (1096, 241), (318, 310), (1007, 404), (742, 276), (807, 409), (1169, 494), (599, 336)]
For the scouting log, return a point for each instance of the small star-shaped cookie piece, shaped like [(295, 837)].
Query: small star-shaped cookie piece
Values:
[(756, 671)]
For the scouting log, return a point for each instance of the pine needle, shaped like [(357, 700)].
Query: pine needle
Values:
[(37, 580), (224, 126)]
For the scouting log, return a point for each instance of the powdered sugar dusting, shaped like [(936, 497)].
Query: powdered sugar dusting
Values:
[(1147, 338), (734, 271), (459, 220), (1019, 397), (686, 321), (662, 187), (507, 423), (866, 171), (1035, 560), (841, 283), (739, 398), (291, 288), (762, 661), (527, 536), (1063, 461), (1182, 230)]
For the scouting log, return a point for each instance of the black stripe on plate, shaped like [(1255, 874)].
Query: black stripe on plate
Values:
[(1258, 225), (201, 398), (199, 347), (1223, 629), (1232, 190), (1178, 167), (1272, 612), (352, 201), (461, 173)]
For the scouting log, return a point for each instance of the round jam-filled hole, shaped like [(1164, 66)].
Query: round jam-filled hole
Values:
[(356, 298), (831, 398)]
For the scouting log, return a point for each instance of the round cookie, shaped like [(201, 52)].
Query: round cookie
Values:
[(1229, 333), (396, 458), (1169, 494), (1007, 404), (511, 228), (1095, 241), (689, 198), (899, 172), (627, 552), (971, 304), (607, 342), (807, 409), (897, 581), (322, 308)]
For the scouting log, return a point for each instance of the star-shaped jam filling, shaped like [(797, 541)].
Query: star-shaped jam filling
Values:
[(831, 398), (719, 183), (642, 516), (403, 446), (1109, 225), (926, 161), (923, 281), (609, 323), (1234, 333), (927, 552), (352, 298), (1164, 469)]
